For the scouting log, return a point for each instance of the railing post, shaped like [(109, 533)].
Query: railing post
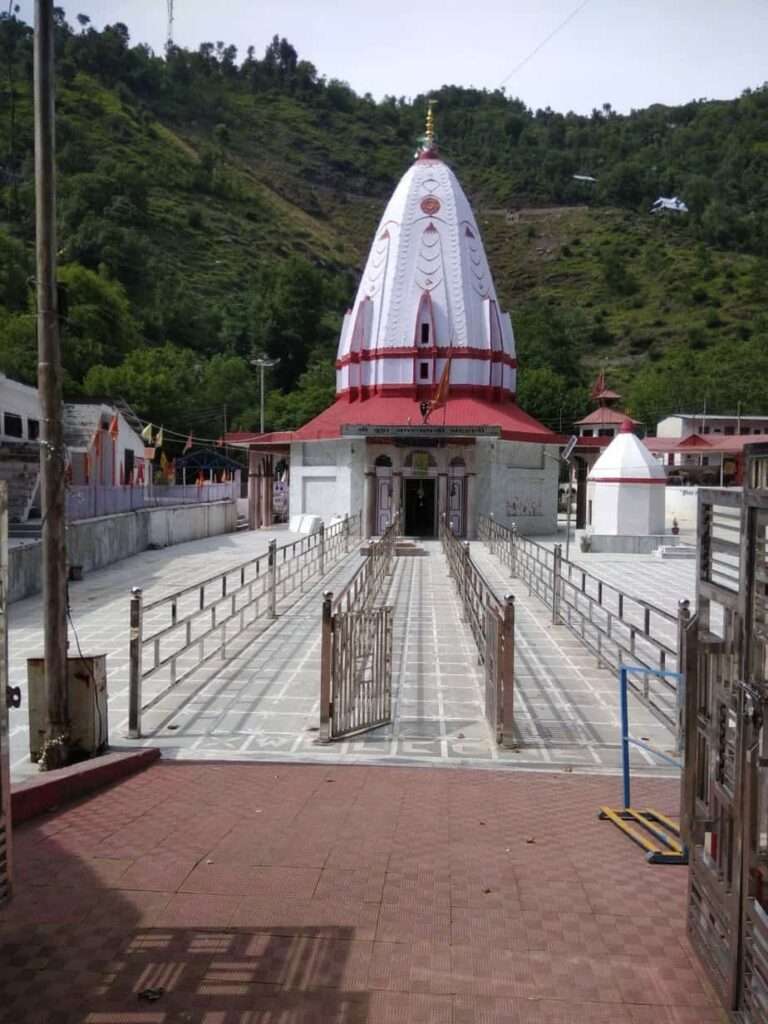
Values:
[(326, 656), (683, 619), (492, 533), (272, 579), (508, 673), (688, 666), (346, 533), (464, 581), (513, 550), (556, 573), (135, 650), (322, 549)]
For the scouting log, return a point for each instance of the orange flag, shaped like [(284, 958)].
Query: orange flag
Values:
[(441, 394)]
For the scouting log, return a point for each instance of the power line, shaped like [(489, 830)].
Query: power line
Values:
[(543, 43)]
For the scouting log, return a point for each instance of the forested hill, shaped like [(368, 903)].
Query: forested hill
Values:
[(213, 205)]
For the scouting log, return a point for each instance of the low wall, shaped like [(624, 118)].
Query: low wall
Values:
[(94, 543), (682, 503)]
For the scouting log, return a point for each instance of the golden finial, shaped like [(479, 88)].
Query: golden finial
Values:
[(429, 135)]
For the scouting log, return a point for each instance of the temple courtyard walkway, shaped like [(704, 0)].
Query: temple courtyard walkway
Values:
[(261, 893), (264, 704)]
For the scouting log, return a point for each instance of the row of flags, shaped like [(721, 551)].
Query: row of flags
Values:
[(157, 441)]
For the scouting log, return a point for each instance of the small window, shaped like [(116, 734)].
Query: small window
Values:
[(33, 429), (424, 371), (13, 425), (605, 432), (730, 430), (586, 433), (425, 334), (705, 430)]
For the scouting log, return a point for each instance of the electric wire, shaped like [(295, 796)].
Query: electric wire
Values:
[(518, 67)]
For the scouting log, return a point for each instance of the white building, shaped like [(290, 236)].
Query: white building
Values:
[(683, 425), (625, 491), (426, 325)]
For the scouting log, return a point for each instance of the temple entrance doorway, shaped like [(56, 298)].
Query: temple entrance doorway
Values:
[(420, 508)]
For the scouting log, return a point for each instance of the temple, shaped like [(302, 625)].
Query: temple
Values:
[(425, 418)]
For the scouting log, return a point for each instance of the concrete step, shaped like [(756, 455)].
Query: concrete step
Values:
[(404, 547)]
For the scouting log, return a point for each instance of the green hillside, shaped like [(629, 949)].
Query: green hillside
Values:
[(213, 205)]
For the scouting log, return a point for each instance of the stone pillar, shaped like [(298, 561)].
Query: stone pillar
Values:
[(442, 496), (580, 468), (369, 512), (269, 489), (397, 487), (263, 491), (253, 485), (470, 498), (259, 492)]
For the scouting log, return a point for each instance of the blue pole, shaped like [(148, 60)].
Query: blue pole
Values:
[(624, 734)]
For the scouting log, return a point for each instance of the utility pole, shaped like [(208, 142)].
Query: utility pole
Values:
[(49, 388), (263, 363)]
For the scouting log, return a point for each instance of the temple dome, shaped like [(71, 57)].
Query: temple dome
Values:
[(426, 292), (627, 460)]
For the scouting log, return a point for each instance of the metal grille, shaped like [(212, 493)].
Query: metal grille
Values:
[(615, 626), (356, 650), (173, 637), (725, 797), (6, 695), (492, 623)]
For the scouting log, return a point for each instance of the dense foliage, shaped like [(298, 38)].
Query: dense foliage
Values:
[(216, 205)]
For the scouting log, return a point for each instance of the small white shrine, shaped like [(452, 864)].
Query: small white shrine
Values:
[(625, 497), (425, 420)]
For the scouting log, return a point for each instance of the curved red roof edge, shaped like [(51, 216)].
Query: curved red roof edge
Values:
[(470, 412)]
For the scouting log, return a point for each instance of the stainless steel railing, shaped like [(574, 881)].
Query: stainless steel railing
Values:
[(617, 627), (174, 636), (492, 623), (356, 647)]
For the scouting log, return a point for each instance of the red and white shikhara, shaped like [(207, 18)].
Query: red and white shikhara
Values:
[(425, 418)]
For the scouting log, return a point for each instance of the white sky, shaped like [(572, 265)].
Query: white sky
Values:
[(630, 53)]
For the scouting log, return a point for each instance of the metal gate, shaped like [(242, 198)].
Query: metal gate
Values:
[(9, 697), (356, 647), (361, 675), (725, 799)]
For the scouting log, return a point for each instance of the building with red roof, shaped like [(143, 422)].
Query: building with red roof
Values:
[(425, 420)]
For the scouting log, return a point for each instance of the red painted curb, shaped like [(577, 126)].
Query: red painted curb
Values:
[(51, 789)]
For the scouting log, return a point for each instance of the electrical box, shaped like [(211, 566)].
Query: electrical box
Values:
[(87, 684)]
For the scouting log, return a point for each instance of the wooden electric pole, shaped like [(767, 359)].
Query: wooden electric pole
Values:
[(52, 459)]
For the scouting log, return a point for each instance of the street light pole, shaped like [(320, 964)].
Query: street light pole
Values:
[(263, 363), (52, 459)]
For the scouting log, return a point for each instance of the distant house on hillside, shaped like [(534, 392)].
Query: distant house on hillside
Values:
[(673, 203)]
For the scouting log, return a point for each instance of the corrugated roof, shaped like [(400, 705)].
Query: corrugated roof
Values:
[(605, 415)]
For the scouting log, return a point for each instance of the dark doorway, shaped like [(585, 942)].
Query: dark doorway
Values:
[(419, 508)]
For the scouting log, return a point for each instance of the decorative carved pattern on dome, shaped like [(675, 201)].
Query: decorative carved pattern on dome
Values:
[(430, 205)]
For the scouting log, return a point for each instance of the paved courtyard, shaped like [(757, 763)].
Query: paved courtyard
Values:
[(299, 894), (264, 703)]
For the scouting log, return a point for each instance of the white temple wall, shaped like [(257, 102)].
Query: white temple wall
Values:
[(327, 478), (618, 510), (517, 482)]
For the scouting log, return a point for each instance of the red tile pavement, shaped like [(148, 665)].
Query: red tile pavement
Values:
[(307, 893)]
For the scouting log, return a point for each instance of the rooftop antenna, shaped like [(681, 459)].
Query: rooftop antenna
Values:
[(169, 41)]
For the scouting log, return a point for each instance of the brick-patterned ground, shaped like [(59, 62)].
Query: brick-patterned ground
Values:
[(255, 893)]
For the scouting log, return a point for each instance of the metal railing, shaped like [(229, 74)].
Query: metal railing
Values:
[(356, 647), (174, 636), (492, 623), (87, 501), (617, 627)]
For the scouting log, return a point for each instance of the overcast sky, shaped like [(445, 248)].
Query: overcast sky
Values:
[(629, 53)]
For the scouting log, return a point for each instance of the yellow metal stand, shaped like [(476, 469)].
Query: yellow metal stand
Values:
[(667, 849)]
